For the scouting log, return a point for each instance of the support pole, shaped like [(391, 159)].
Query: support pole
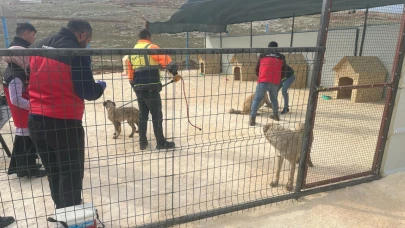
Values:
[(187, 46), (292, 30), (267, 28), (313, 95), (205, 39), (5, 31), (363, 37), (251, 34), (356, 41)]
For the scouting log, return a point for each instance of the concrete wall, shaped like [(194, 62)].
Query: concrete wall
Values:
[(394, 156), (380, 41)]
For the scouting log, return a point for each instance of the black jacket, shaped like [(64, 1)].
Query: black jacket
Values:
[(81, 73), (13, 70)]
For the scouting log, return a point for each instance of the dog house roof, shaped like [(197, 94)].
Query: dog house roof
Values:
[(362, 64), (243, 59), (295, 59)]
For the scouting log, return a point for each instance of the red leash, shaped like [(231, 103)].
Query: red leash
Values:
[(185, 98)]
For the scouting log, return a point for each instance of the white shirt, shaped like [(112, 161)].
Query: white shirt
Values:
[(15, 91)]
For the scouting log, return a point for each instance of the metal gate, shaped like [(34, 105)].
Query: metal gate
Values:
[(350, 135)]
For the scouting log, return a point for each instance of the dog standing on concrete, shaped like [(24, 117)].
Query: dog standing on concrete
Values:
[(288, 145), (118, 115), (247, 104)]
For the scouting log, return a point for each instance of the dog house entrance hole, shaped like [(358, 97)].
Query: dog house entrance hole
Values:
[(236, 73), (345, 93), (202, 68)]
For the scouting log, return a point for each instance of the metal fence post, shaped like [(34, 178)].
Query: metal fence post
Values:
[(363, 37), (5, 31), (187, 46), (292, 31), (313, 97), (391, 96)]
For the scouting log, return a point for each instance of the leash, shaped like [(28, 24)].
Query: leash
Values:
[(185, 98), (137, 98)]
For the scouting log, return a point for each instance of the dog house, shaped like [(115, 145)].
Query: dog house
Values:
[(301, 69), (210, 64), (359, 70), (244, 67)]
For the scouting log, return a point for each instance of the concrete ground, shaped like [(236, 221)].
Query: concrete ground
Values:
[(379, 204), (226, 163)]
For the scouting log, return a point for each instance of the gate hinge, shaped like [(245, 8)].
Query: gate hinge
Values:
[(319, 88)]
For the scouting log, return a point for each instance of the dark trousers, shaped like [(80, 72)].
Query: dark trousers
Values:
[(23, 157), (149, 101), (60, 144)]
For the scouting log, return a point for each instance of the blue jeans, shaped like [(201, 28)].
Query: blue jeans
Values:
[(261, 90), (284, 86)]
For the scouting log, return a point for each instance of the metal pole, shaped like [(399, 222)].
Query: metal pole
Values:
[(205, 39), (356, 41), (313, 96), (364, 32), (187, 56), (292, 30), (251, 34), (391, 96), (267, 28), (5, 31)]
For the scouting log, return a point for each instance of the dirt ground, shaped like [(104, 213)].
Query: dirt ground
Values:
[(379, 204), (226, 163)]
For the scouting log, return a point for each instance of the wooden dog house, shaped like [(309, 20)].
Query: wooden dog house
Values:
[(210, 64), (244, 67), (359, 70), (301, 69)]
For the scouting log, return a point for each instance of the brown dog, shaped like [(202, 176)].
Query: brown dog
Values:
[(247, 104), (288, 145), (118, 115)]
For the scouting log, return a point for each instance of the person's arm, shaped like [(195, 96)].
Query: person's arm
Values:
[(83, 81), (165, 61), (258, 65), (15, 91)]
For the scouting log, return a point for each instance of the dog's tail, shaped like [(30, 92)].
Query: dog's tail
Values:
[(233, 111)]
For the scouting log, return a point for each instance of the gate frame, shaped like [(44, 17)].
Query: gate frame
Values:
[(313, 100)]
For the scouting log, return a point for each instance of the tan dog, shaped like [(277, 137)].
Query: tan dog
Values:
[(288, 145), (118, 115), (247, 104)]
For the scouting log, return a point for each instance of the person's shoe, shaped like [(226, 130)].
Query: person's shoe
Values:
[(252, 121), (285, 111), (166, 145), (32, 173), (6, 221), (143, 146), (275, 117)]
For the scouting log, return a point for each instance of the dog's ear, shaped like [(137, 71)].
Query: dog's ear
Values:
[(105, 103), (114, 104)]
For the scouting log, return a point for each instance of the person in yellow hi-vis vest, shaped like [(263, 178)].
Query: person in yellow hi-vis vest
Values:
[(146, 82)]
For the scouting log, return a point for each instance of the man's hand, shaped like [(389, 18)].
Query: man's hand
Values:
[(102, 83), (176, 78)]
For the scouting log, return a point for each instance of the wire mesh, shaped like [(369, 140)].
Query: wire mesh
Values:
[(347, 122), (228, 163)]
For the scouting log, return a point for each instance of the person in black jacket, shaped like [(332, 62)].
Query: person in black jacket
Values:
[(15, 84), (58, 87)]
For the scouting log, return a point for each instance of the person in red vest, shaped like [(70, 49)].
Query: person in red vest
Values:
[(58, 87), (15, 82), (269, 71)]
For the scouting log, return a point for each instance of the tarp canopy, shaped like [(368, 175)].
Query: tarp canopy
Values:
[(215, 15)]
